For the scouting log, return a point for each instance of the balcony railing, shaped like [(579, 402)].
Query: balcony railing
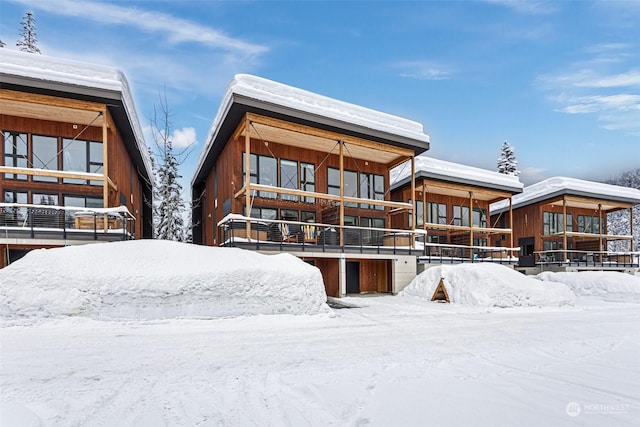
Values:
[(294, 236), (63, 222), (571, 258)]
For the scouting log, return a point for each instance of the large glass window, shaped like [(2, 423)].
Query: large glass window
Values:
[(351, 186), (44, 155), (479, 217), (289, 178), (308, 180), (15, 153), (333, 181), (461, 216), (264, 171), (588, 224), (15, 216), (553, 223), (419, 213), (436, 213), (371, 187), (81, 156), (79, 202)]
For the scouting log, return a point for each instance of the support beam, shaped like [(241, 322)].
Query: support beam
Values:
[(105, 168), (413, 200), (247, 174), (564, 229), (631, 229), (599, 227), (471, 224), (341, 193), (511, 221)]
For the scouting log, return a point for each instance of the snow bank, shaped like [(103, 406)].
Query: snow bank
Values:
[(605, 285), (150, 279), (488, 285)]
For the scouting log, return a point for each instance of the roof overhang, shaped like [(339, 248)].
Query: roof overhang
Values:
[(315, 131)]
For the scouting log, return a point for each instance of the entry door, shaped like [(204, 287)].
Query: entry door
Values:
[(353, 277), (527, 258)]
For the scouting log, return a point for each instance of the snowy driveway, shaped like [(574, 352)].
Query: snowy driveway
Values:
[(395, 361)]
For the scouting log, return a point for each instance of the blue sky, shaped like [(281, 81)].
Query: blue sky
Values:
[(559, 80)]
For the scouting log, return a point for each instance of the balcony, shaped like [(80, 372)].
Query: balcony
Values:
[(60, 225), (613, 260), (298, 237)]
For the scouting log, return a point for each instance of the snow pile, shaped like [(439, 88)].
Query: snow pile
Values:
[(150, 279), (488, 285), (605, 285)]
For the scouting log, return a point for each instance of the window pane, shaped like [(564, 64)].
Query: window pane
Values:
[(307, 216), (351, 186), (95, 159), (288, 215), (74, 158), (333, 181), (267, 174), (15, 216), (289, 178), (45, 155), (15, 148), (307, 180)]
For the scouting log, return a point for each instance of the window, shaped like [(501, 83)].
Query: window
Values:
[(288, 215), (307, 216), (461, 216), (371, 187), (81, 156), (588, 224), (15, 216), (350, 184), (553, 223), (480, 218), (44, 155), (264, 213), (15, 153), (419, 213), (436, 213), (289, 178), (308, 180), (372, 237), (264, 171), (80, 202), (42, 217)]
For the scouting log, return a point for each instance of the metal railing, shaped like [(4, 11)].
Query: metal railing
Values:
[(574, 258), (297, 236), (26, 220)]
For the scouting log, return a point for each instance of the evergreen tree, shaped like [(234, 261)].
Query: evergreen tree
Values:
[(618, 223), (168, 205), (507, 163), (28, 41), (2, 44)]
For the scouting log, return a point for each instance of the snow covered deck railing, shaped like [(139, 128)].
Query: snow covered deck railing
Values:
[(574, 258), (35, 221), (284, 235)]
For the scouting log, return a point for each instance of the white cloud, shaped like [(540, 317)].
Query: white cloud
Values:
[(424, 70), (177, 30), (185, 137), (526, 7)]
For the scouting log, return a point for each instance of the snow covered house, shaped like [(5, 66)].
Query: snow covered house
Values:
[(287, 170), (75, 168), (452, 208), (561, 224)]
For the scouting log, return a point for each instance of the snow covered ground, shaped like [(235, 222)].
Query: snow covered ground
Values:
[(387, 360)]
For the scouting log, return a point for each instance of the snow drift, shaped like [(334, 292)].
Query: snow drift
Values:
[(488, 285), (151, 279), (605, 285)]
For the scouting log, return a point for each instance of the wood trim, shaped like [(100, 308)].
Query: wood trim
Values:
[(426, 184), (277, 123), (247, 175), (32, 98), (52, 173), (341, 153)]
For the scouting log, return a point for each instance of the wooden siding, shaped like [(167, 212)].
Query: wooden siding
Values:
[(330, 269)]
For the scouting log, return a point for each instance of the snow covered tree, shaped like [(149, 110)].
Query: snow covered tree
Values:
[(28, 41), (2, 44), (168, 206), (618, 223), (507, 163)]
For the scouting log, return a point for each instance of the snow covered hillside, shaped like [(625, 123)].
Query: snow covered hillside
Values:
[(604, 285), (154, 279)]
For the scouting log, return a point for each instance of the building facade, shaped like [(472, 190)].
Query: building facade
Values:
[(75, 168), (288, 170)]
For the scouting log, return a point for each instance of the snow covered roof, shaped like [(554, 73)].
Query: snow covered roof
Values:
[(558, 186), (76, 80), (428, 167), (274, 99)]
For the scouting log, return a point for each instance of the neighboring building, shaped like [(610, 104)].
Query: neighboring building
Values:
[(561, 223), (452, 207), (288, 170), (74, 168)]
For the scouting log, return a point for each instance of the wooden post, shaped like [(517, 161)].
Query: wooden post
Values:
[(247, 174), (424, 208), (600, 247), (470, 225), (105, 168), (341, 192), (631, 228), (564, 230), (511, 221), (413, 201)]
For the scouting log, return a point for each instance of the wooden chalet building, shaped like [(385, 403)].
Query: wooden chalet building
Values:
[(561, 224), (452, 208), (288, 170), (74, 167)]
